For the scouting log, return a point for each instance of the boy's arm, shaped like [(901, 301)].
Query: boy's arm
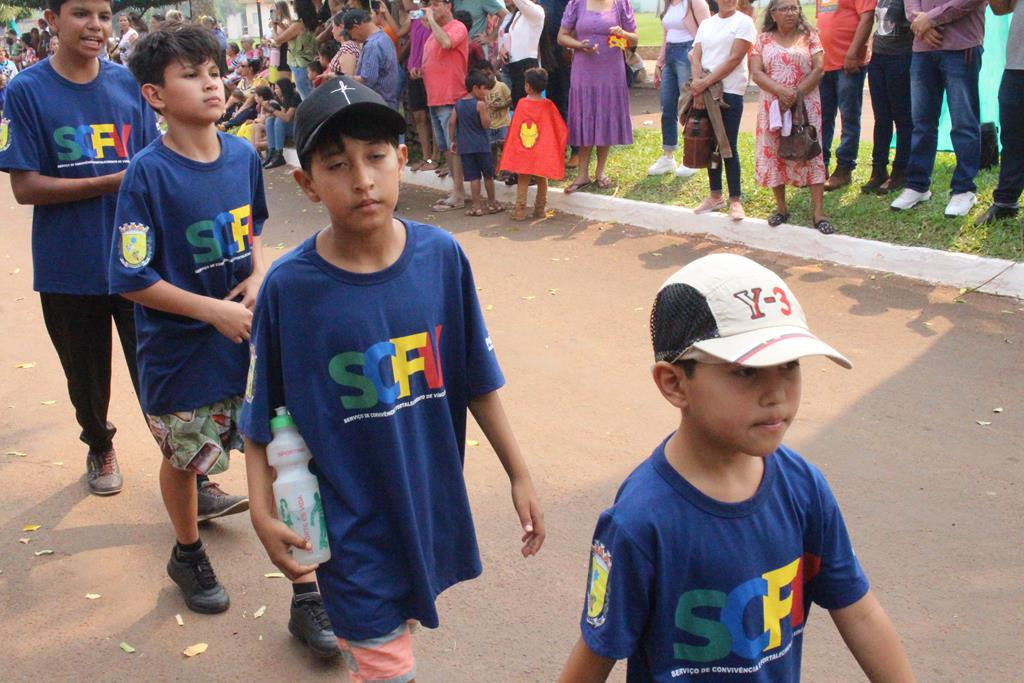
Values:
[(230, 318), (250, 286), (490, 415), (452, 124), (873, 641), (485, 115), (585, 666), (32, 187), (274, 534)]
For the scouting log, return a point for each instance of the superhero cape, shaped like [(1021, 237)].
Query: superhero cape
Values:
[(536, 140)]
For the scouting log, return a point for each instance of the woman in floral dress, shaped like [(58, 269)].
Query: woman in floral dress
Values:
[(788, 57)]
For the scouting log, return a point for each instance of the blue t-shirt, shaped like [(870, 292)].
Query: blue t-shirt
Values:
[(71, 130), (377, 370), (378, 67), (690, 588), (191, 224)]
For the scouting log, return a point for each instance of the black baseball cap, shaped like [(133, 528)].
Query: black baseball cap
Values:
[(341, 97), (354, 17)]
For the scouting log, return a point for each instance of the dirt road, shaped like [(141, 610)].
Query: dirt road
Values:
[(933, 498)]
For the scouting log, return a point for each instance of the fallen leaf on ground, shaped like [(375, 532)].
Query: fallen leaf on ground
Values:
[(126, 647), (472, 442), (279, 245), (58, 463), (24, 540), (177, 618), (32, 527), (656, 253), (997, 410), (273, 575), (260, 612), (490, 307), (639, 308), (15, 271), (528, 298), (93, 596), (552, 291), (193, 650), (47, 403), (983, 423), (25, 366), (44, 552)]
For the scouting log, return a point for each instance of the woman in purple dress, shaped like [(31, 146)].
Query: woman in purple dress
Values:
[(596, 31)]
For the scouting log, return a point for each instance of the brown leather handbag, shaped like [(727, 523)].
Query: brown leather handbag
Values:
[(698, 140), (802, 142)]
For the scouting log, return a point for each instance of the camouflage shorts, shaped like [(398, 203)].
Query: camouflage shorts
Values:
[(199, 440)]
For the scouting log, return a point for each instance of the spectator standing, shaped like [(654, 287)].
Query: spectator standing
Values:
[(889, 85), (7, 72), (419, 31), (946, 61), (479, 11), (1006, 196), (468, 129), (786, 62), (378, 62), (347, 57), (129, 35), (720, 56), (300, 37), (445, 67), (599, 96), (524, 30), (843, 28), (680, 20), (156, 20)]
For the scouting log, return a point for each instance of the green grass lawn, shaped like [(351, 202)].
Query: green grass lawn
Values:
[(852, 213)]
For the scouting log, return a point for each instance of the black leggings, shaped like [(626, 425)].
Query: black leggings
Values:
[(731, 117), (517, 74), (79, 327)]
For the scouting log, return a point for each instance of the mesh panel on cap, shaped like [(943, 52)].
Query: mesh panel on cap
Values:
[(680, 318)]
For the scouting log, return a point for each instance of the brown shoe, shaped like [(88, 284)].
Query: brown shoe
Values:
[(839, 178), (896, 181), (879, 174)]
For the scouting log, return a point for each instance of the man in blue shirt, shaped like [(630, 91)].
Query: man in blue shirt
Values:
[(378, 61), (70, 125)]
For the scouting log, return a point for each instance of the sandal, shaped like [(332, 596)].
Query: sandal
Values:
[(576, 186), (604, 182), (824, 226), (777, 219), (475, 212), (446, 204), (442, 171), (495, 208), (427, 165)]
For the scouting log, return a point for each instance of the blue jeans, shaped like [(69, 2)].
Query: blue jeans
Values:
[(889, 84), (439, 118), (1011, 164), (302, 83), (674, 75), (842, 93), (276, 132), (731, 117), (955, 73)]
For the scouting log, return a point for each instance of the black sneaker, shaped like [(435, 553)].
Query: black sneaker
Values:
[(213, 502), (194, 575), (309, 623), (102, 473)]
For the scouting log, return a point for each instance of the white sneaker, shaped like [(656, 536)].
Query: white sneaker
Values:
[(908, 199), (685, 172), (960, 204), (662, 166)]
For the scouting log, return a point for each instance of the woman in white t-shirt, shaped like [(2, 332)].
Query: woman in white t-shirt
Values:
[(525, 23), (680, 20), (720, 54)]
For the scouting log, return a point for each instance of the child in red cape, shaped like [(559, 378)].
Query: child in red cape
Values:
[(535, 147)]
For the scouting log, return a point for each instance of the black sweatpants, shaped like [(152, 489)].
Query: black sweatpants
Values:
[(79, 327)]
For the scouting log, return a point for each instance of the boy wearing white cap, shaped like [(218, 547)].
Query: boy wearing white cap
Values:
[(706, 566)]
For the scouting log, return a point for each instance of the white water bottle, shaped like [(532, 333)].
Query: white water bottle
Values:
[(296, 491)]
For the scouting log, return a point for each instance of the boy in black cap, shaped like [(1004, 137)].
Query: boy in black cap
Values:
[(371, 334), (706, 566)]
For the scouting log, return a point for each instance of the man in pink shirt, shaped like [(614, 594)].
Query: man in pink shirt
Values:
[(445, 63)]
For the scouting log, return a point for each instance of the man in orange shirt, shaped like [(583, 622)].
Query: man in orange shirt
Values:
[(445, 64), (844, 27)]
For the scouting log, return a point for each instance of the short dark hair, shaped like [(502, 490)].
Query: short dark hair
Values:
[(55, 5), (158, 17), (316, 67), (328, 49), (689, 366), (265, 92), (537, 79), (479, 78), (355, 17), (184, 43), (331, 140), (465, 17)]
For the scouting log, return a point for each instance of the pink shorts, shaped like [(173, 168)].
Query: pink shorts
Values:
[(387, 659)]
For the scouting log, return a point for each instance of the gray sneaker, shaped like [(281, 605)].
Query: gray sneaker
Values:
[(213, 502), (194, 575), (309, 623), (102, 473)]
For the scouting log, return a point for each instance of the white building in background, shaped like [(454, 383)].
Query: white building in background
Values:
[(246, 22)]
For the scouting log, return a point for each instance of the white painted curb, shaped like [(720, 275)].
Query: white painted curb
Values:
[(931, 265)]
